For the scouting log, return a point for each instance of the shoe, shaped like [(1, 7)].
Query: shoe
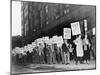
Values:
[(67, 63), (81, 62), (87, 62), (76, 63)]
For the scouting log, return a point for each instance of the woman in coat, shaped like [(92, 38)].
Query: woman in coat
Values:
[(86, 47), (79, 49)]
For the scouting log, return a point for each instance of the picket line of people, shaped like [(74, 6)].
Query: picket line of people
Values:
[(50, 51)]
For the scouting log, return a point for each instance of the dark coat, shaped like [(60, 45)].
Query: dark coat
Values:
[(64, 48)]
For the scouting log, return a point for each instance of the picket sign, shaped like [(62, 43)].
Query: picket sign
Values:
[(85, 24), (75, 28), (93, 31), (46, 39), (50, 42), (34, 44), (67, 33), (38, 41), (60, 41), (54, 39)]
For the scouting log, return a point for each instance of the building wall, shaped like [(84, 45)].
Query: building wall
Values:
[(38, 17)]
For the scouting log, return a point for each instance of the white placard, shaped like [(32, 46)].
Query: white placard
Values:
[(75, 28), (54, 39), (60, 41), (49, 42), (85, 25), (40, 40), (46, 39), (67, 33), (93, 31)]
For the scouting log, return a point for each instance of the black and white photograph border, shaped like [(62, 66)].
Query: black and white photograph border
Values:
[(69, 29)]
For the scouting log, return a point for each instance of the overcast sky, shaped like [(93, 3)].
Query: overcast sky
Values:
[(16, 18)]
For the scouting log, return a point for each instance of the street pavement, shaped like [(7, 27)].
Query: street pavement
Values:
[(38, 68)]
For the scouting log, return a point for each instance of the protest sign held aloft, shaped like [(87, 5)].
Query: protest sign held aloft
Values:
[(75, 28), (67, 33)]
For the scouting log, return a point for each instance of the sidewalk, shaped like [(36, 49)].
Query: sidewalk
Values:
[(34, 68)]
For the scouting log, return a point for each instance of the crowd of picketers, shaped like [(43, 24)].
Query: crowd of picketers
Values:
[(77, 50)]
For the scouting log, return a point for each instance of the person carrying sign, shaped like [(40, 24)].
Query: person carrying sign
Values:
[(79, 49), (52, 54), (66, 52), (86, 47), (70, 52), (41, 53)]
